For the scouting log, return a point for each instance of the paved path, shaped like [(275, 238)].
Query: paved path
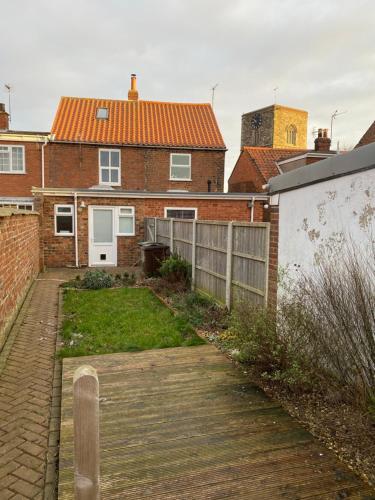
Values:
[(27, 448), (184, 424)]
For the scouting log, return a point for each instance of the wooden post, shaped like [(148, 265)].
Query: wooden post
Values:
[(86, 433), (155, 232), (193, 254), (171, 235), (228, 280)]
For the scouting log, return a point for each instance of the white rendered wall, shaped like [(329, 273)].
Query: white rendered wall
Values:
[(322, 217)]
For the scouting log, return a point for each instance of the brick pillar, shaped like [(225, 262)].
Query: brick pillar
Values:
[(273, 257)]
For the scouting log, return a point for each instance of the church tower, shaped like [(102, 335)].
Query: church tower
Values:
[(275, 127)]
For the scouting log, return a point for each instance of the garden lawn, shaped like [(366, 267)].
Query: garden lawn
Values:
[(119, 320)]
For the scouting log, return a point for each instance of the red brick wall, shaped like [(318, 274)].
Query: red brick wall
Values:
[(273, 257), (245, 177), (20, 184), (19, 263), (73, 165), (59, 250)]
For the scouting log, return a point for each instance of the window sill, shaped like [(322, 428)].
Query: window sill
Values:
[(181, 180), (64, 234), (122, 234), (13, 173)]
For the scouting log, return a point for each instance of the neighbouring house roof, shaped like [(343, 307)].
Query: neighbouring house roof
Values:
[(264, 159), (368, 136), (138, 123), (336, 166)]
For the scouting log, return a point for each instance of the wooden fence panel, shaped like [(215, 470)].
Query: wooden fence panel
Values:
[(229, 259)]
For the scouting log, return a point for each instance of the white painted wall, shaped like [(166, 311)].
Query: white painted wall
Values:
[(323, 216)]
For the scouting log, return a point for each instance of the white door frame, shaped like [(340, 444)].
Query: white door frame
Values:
[(91, 253)]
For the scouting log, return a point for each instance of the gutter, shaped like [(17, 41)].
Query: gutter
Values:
[(90, 193), (152, 146)]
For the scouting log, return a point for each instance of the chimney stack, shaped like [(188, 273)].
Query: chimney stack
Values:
[(4, 118), (322, 142), (133, 92)]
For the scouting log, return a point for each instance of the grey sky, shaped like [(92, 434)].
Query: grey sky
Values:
[(319, 53)]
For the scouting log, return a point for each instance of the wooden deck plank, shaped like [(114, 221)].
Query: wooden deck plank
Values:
[(183, 423)]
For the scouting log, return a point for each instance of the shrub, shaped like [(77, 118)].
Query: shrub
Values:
[(333, 308), (175, 269), (257, 340), (94, 280), (323, 333)]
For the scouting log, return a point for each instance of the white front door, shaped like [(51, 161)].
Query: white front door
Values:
[(102, 237)]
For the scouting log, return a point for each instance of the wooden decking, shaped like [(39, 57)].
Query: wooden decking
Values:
[(183, 423)]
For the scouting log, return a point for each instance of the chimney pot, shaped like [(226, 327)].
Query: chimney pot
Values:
[(322, 142), (133, 92)]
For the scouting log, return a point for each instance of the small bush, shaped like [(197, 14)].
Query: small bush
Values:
[(94, 280), (175, 269), (258, 341)]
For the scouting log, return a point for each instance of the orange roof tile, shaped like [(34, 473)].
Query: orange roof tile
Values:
[(140, 123), (265, 159)]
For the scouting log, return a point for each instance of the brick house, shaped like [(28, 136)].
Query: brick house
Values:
[(101, 227), (130, 144), (256, 165), (108, 164), (21, 158)]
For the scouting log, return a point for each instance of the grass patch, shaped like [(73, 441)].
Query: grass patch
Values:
[(120, 320)]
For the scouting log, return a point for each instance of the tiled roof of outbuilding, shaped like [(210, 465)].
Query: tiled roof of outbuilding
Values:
[(139, 123), (265, 159)]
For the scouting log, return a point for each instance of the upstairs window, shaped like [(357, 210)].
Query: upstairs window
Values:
[(291, 134), (109, 167), (102, 113), (12, 159), (64, 220), (126, 221), (180, 167)]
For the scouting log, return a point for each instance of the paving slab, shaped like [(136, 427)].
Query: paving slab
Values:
[(26, 380)]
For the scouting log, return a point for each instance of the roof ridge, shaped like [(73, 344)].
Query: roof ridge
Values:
[(138, 101)]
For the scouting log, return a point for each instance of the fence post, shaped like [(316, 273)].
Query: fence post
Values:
[(86, 433), (155, 232), (193, 254), (171, 235), (228, 280)]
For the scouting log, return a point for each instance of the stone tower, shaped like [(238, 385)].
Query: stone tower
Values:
[(275, 127)]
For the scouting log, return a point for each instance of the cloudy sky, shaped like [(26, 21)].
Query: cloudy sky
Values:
[(320, 54)]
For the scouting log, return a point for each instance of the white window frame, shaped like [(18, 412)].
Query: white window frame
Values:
[(180, 208), (14, 172), (109, 183), (72, 215), (119, 216), (171, 165)]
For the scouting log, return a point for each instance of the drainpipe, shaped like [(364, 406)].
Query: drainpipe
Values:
[(43, 146), (252, 209), (76, 229)]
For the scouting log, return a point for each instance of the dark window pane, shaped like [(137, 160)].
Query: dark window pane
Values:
[(64, 224)]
